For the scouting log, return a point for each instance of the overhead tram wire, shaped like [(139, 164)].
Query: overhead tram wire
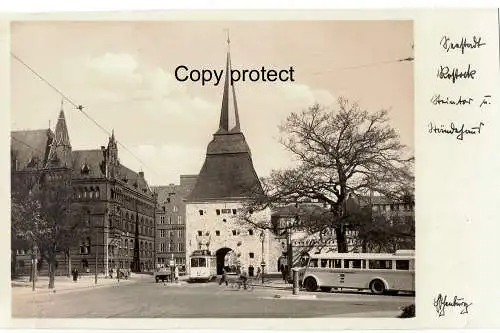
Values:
[(382, 63), (78, 107), (27, 145)]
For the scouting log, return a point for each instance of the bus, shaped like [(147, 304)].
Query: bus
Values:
[(203, 266), (378, 272)]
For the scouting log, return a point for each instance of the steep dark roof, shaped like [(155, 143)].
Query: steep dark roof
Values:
[(93, 159), (29, 144), (135, 180), (226, 176)]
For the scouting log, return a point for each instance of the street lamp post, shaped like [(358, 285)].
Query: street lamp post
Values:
[(262, 264)]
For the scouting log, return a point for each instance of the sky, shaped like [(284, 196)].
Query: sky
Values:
[(123, 74)]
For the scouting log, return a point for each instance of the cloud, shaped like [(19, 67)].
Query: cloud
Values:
[(302, 95)]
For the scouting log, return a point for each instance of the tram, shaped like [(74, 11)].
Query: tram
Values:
[(202, 266)]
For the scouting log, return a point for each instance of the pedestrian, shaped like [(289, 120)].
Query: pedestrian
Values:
[(118, 274), (224, 276), (244, 277), (282, 269), (75, 275), (176, 273), (286, 273)]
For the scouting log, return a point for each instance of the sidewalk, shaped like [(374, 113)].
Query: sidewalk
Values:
[(62, 283)]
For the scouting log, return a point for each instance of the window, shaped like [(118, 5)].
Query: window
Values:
[(180, 234), (234, 211), (217, 211), (403, 265), (180, 247), (352, 263), (217, 232), (171, 234), (179, 219), (201, 211), (163, 233), (250, 232), (324, 263), (380, 264), (313, 263), (194, 262), (226, 211), (199, 233), (335, 263), (251, 255), (234, 232), (175, 209), (162, 247)]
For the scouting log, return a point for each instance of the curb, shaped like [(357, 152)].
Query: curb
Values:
[(45, 291)]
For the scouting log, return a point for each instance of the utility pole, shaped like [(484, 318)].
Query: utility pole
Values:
[(96, 251)]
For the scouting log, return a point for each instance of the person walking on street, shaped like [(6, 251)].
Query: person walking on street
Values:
[(176, 273), (224, 277)]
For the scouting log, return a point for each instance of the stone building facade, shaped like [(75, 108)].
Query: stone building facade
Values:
[(115, 204), (171, 221)]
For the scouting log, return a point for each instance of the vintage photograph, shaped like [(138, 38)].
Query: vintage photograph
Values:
[(212, 169)]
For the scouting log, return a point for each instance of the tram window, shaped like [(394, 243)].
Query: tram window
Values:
[(402, 265), (202, 262), (313, 263), (324, 263), (194, 262)]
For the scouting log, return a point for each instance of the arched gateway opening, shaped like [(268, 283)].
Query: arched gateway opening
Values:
[(221, 258)]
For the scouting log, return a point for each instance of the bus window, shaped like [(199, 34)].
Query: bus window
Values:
[(324, 263), (380, 264), (202, 262), (313, 263), (352, 263), (403, 265), (194, 262), (335, 263)]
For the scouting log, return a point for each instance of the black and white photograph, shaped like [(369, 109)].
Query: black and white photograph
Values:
[(212, 169)]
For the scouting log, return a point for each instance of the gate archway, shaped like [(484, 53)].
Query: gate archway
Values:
[(221, 255)]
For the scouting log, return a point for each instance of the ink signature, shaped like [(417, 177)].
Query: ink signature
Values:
[(459, 130), (441, 303)]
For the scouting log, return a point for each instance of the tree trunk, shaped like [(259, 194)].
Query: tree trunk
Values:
[(13, 264), (52, 270), (341, 240), (68, 254)]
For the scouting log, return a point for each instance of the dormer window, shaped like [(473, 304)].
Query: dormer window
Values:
[(85, 170)]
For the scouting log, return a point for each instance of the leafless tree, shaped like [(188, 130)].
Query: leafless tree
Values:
[(340, 152)]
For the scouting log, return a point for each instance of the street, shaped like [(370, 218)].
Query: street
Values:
[(146, 299)]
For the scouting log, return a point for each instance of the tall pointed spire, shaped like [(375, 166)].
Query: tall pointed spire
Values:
[(60, 148), (229, 118), (228, 171)]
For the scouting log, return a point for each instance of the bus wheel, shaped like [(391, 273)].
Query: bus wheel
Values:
[(377, 287), (325, 289), (310, 284)]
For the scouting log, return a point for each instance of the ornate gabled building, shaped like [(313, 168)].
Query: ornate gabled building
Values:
[(115, 203), (226, 180)]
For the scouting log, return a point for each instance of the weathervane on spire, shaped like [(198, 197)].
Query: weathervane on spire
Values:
[(228, 40), (62, 102)]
